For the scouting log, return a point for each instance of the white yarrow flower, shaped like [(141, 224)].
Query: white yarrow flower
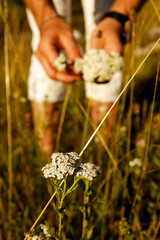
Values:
[(38, 233), (61, 62), (88, 171), (36, 238), (45, 230), (78, 65), (64, 164), (98, 66), (95, 66), (136, 162)]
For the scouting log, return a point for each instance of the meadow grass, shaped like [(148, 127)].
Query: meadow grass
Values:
[(125, 200)]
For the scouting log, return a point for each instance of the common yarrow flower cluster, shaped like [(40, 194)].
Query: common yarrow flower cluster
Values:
[(88, 171), (98, 66), (95, 66), (64, 164), (136, 162), (38, 233), (61, 62)]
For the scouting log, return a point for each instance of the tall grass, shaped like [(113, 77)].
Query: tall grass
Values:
[(123, 197), (9, 119)]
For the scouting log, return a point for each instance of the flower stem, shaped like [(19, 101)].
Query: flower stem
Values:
[(73, 185), (60, 225), (84, 223), (60, 207), (85, 202)]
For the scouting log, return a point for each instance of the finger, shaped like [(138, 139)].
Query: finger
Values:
[(113, 48), (46, 64), (48, 51), (67, 78), (70, 46)]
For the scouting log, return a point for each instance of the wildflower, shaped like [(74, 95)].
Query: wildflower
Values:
[(141, 143), (124, 229), (61, 62), (23, 100), (38, 233), (136, 162), (98, 66), (88, 171), (95, 66), (62, 164), (123, 129), (78, 65), (77, 35), (45, 230)]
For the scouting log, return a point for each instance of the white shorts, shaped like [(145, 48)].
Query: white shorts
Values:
[(41, 88)]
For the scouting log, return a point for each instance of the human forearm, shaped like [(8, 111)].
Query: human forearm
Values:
[(55, 35), (125, 6), (40, 9), (112, 27)]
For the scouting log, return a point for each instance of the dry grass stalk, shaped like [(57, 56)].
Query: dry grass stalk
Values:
[(9, 129), (121, 93)]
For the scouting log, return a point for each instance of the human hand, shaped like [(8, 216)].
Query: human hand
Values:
[(56, 35), (110, 40)]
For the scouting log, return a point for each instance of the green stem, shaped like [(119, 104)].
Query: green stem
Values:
[(60, 225), (60, 207), (85, 202), (73, 185)]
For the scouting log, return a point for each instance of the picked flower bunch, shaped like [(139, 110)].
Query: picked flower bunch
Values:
[(64, 164), (96, 65)]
